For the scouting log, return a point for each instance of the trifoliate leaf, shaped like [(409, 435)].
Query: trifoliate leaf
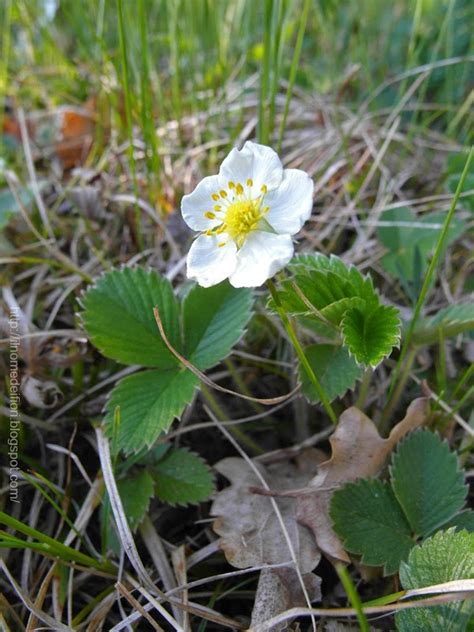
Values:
[(118, 316), (450, 321), (149, 401), (336, 371), (427, 481), (182, 477), (370, 334), (447, 556), (370, 523), (214, 320)]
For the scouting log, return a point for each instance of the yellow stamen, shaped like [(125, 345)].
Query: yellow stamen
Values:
[(241, 218), (210, 215), (239, 188), (221, 244), (215, 197), (223, 194), (264, 188), (231, 184), (250, 182), (217, 207)]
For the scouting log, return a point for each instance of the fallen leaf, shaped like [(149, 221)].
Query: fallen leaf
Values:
[(251, 534), (358, 451)]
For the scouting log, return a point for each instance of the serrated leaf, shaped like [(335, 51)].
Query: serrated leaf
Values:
[(149, 401), (118, 316), (447, 556), (336, 371), (214, 320), (427, 481), (324, 281), (182, 478), (370, 522), (451, 320), (371, 334)]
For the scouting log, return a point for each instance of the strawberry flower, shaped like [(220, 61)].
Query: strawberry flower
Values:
[(246, 216)]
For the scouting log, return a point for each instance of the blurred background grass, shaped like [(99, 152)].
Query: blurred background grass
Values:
[(179, 57)]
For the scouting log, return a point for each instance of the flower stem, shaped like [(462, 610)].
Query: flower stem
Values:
[(353, 596), (299, 351), (429, 275)]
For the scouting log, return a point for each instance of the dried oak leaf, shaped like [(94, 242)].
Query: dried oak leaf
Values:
[(358, 451), (251, 534)]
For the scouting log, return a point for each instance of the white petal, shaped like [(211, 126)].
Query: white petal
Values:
[(195, 204), (208, 263), (261, 256), (256, 162), (290, 205)]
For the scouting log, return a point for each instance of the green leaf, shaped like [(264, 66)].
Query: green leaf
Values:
[(336, 371), (370, 523), (214, 320), (451, 320), (447, 556), (182, 477), (427, 481), (149, 401), (408, 233), (338, 299), (9, 206), (136, 492), (371, 334), (118, 316), (324, 281), (462, 520)]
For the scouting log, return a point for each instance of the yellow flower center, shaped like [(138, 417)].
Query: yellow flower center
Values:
[(238, 212), (242, 217)]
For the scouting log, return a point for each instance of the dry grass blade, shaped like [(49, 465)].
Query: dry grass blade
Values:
[(203, 377), (124, 531), (33, 609)]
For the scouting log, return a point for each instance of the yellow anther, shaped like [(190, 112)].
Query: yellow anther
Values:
[(264, 188), (250, 182), (208, 233), (215, 197), (210, 215), (266, 209), (239, 188), (231, 184), (223, 193), (217, 207), (221, 244)]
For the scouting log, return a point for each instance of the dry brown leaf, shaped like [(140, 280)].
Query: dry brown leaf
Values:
[(251, 534), (358, 451)]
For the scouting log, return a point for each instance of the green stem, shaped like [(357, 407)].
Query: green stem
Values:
[(429, 275), (222, 416), (396, 395), (300, 353), (53, 546), (128, 116), (364, 387), (353, 596)]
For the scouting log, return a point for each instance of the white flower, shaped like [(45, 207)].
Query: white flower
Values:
[(246, 215)]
